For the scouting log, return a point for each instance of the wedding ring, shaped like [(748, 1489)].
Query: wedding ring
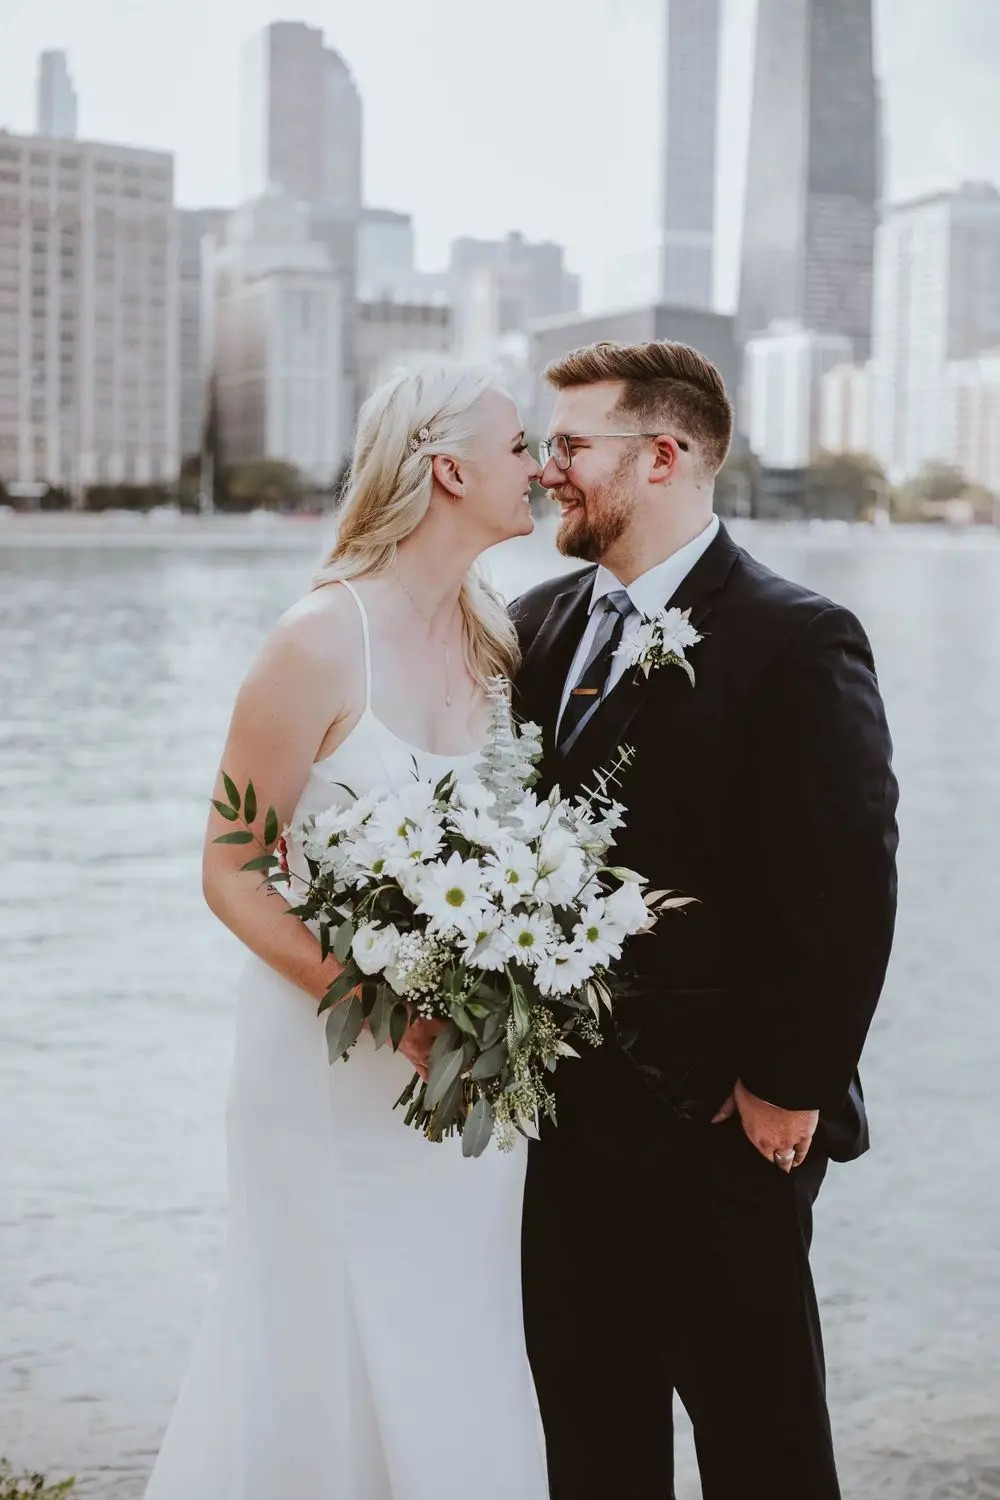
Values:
[(785, 1155)]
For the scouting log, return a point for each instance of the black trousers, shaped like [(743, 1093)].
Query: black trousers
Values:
[(687, 1271)]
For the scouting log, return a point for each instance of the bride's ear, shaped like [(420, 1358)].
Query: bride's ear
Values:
[(448, 475)]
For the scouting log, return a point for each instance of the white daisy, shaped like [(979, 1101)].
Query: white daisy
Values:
[(563, 970), (510, 871), (598, 939), (452, 894), (533, 936)]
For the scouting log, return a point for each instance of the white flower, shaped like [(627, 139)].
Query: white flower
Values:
[(510, 871), (412, 803), (562, 883), (487, 946), (477, 826), (625, 910), (533, 936), (531, 816), (597, 937), (661, 640), (375, 947), (416, 844), (452, 894), (473, 795), (563, 970)]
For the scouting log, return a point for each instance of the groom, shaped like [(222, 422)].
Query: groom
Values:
[(668, 1217)]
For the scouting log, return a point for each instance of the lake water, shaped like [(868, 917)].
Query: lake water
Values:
[(119, 659)]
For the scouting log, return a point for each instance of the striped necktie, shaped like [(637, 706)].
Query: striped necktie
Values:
[(591, 685)]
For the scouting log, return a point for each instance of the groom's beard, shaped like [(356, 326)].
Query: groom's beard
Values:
[(587, 533)]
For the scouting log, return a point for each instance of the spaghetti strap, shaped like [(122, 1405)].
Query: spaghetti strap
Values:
[(364, 633)]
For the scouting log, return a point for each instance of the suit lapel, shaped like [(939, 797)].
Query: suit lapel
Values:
[(547, 661), (609, 726)]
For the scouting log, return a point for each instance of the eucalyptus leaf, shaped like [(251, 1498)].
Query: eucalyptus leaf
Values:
[(262, 862), (398, 1022), (225, 811), (342, 940), (241, 836), (478, 1128), (324, 942), (446, 1041), (381, 1014), (343, 1027), (231, 792), (271, 826), (462, 1019), (443, 1074), (340, 988), (489, 1063), (250, 803), (448, 1109), (475, 1009), (493, 1028)]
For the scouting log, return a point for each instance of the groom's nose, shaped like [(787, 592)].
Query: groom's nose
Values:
[(551, 476)]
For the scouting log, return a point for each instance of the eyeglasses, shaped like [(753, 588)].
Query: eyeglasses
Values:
[(558, 447)]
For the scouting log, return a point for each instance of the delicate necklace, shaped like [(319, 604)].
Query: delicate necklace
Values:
[(447, 650)]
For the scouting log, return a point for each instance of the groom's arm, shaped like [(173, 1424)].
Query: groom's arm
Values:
[(821, 895)]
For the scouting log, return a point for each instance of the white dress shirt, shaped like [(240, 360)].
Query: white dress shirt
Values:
[(649, 593)]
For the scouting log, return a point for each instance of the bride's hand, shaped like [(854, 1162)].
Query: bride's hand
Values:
[(418, 1039)]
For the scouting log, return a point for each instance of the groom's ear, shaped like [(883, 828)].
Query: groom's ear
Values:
[(666, 455), (448, 474)]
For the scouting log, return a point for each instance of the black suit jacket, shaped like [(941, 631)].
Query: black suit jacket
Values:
[(765, 791)]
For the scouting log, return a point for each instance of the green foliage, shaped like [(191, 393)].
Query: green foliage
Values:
[(30, 1486), (844, 486), (266, 482)]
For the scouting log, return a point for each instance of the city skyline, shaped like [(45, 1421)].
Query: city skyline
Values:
[(814, 171), (938, 78)]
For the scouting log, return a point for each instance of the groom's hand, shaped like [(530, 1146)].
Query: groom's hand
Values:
[(775, 1132)]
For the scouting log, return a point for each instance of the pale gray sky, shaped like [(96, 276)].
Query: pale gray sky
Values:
[(540, 115)]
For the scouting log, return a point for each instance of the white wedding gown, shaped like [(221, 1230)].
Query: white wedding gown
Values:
[(365, 1339)]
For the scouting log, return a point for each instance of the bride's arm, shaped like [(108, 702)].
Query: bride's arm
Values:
[(305, 681)]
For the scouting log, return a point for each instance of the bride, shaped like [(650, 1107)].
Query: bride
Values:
[(365, 1339)]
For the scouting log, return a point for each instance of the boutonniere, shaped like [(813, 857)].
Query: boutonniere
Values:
[(661, 641)]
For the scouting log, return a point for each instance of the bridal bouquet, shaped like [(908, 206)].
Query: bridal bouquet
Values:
[(473, 903)]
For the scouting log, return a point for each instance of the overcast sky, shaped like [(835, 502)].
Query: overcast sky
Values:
[(540, 115)]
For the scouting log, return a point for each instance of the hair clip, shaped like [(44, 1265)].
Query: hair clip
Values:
[(423, 436)]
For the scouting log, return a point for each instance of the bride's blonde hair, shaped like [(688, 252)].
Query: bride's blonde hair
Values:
[(390, 487)]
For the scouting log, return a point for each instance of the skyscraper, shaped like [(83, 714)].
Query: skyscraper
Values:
[(813, 171), (687, 250), (55, 113), (193, 224), (301, 119), (937, 300)]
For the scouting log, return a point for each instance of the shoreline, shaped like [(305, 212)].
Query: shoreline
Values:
[(268, 531)]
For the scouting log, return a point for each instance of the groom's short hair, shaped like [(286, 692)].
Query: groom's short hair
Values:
[(664, 384)]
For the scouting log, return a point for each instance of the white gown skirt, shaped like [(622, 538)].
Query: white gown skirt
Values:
[(365, 1340)]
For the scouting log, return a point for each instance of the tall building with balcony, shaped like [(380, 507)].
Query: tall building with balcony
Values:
[(690, 115), (55, 101), (813, 172), (937, 300), (88, 314)]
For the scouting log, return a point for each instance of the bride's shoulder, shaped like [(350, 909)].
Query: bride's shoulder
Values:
[(318, 630), (323, 624)]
